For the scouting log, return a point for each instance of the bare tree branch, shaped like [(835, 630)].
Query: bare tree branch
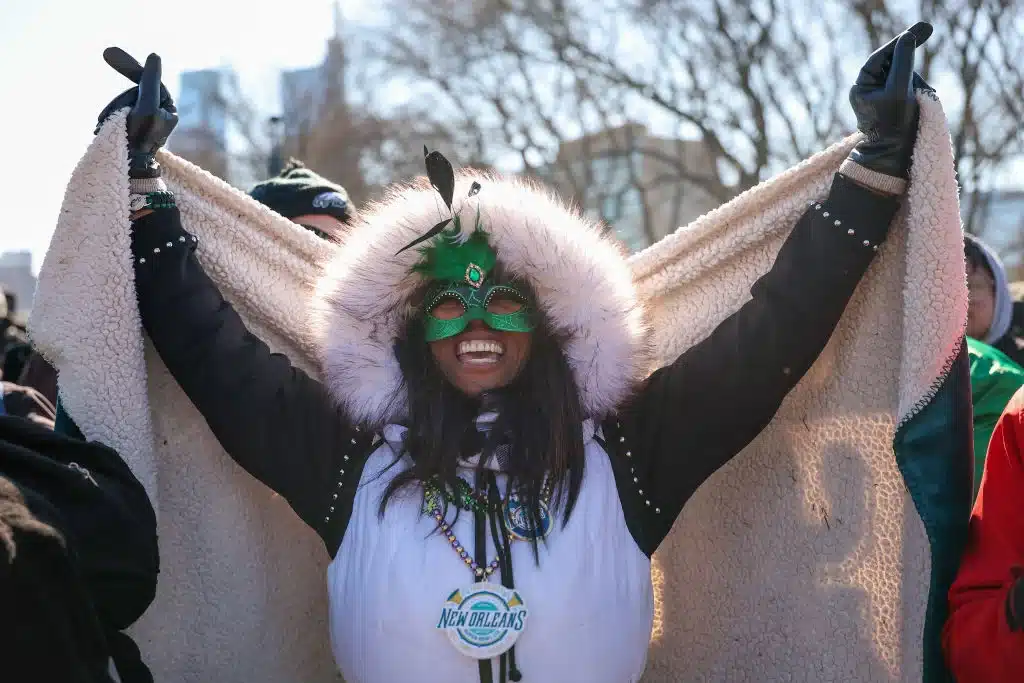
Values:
[(680, 103)]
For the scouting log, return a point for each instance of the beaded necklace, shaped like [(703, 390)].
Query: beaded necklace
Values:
[(464, 497), (436, 510), (518, 519), (482, 620)]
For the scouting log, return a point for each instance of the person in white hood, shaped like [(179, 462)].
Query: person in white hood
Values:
[(990, 316)]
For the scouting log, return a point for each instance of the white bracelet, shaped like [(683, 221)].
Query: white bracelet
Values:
[(873, 179), (146, 185)]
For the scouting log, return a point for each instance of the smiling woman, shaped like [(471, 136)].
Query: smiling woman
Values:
[(495, 378), (479, 333)]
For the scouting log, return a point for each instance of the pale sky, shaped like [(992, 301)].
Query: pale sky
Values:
[(54, 82)]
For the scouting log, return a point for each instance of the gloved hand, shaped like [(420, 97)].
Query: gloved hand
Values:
[(883, 100), (152, 117)]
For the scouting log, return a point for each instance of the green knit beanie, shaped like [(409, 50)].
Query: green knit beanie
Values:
[(298, 191)]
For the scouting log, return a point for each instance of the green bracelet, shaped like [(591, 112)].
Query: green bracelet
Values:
[(151, 200)]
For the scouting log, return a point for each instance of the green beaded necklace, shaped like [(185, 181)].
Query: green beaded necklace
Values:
[(465, 498)]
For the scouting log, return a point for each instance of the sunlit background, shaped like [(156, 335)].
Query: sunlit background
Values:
[(647, 112)]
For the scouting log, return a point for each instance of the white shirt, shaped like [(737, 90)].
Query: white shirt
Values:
[(590, 599)]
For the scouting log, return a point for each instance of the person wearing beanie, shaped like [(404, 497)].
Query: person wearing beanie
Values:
[(990, 316), (306, 198)]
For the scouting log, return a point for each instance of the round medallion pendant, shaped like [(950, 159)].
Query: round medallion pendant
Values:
[(484, 620), (519, 522)]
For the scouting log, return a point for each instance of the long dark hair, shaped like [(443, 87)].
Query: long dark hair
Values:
[(539, 414)]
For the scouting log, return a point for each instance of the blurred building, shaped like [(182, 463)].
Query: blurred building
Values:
[(642, 186), (999, 220), (16, 277), (317, 124), (301, 99), (204, 101), (311, 95)]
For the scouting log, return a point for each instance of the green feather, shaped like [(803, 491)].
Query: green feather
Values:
[(446, 260)]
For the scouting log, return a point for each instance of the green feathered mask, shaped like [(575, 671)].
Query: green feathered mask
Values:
[(452, 258), (448, 256), (460, 265)]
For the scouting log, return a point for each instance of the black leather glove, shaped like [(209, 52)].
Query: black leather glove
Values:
[(1015, 605), (152, 117), (883, 100)]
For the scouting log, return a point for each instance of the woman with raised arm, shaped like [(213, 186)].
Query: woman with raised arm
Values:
[(480, 455)]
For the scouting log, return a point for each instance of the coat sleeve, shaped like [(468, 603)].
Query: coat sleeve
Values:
[(270, 417), (980, 646), (689, 418)]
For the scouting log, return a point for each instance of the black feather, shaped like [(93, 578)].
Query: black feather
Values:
[(442, 176), (423, 238)]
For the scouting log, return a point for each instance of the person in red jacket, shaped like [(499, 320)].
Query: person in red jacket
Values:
[(984, 637)]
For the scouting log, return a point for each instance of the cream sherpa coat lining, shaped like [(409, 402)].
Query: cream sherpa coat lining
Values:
[(805, 549)]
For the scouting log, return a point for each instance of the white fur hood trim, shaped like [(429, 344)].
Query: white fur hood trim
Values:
[(581, 278)]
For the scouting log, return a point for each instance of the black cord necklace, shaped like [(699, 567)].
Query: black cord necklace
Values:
[(482, 621)]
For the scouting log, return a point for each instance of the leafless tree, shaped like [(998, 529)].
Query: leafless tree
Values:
[(203, 147), (658, 109), (978, 51), (344, 142), (222, 131), (756, 84), (519, 79)]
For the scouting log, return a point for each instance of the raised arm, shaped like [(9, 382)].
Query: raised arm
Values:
[(692, 416), (273, 419)]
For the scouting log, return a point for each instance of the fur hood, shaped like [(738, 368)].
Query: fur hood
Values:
[(580, 276)]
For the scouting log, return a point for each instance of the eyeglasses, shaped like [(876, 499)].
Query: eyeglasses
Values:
[(316, 231)]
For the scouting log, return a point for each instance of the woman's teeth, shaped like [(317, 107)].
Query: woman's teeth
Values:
[(481, 346), (480, 352)]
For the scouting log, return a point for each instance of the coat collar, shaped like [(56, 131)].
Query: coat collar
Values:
[(394, 435)]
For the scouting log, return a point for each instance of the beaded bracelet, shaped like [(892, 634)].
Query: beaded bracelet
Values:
[(151, 200)]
